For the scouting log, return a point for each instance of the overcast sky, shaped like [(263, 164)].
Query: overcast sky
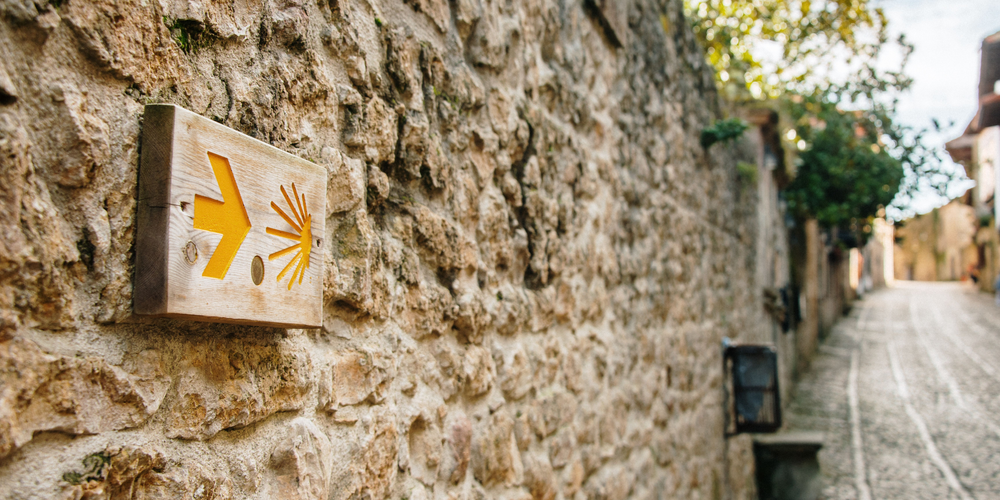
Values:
[(946, 35)]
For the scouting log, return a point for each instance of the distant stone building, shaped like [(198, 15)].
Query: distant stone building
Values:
[(937, 246)]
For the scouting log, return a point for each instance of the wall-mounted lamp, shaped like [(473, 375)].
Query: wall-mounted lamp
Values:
[(751, 379)]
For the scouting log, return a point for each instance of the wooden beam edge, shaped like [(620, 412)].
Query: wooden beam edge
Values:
[(153, 210), (237, 321)]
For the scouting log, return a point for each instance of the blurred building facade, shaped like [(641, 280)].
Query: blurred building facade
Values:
[(978, 150), (939, 245)]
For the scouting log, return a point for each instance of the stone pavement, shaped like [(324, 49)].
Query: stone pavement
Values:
[(907, 390)]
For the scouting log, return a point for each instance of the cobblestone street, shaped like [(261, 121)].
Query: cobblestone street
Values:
[(907, 390)]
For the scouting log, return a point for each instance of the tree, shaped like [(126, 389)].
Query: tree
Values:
[(846, 174), (820, 62), (767, 48)]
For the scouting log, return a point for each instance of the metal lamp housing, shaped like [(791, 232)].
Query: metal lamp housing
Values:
[(753, 373)]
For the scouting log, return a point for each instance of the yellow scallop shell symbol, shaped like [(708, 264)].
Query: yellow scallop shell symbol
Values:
[(302, 235)]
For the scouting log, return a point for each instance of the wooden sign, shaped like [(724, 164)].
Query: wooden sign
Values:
[(229, 229)]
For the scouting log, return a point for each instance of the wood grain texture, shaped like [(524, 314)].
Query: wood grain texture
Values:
[(175, 167)]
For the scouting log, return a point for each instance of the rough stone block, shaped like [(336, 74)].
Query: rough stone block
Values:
[(132, 472), (301, 463), (357, 376), (43, 392), (223, 385), (495, 457)]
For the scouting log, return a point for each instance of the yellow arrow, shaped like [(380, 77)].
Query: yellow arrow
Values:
[(227, 217)]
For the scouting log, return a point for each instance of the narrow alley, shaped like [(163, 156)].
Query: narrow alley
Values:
[(907, 391)]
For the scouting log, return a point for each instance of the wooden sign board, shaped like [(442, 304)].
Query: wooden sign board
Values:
[(229, 229)]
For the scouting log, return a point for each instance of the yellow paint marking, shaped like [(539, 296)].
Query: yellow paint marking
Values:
[(227, 217), (299, 271), (289, 200), (298, 201), (279, 253), (304, 236), (285, 216), (289, 266), (283, 234)]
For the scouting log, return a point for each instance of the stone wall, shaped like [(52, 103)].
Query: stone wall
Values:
[(533, 261)]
